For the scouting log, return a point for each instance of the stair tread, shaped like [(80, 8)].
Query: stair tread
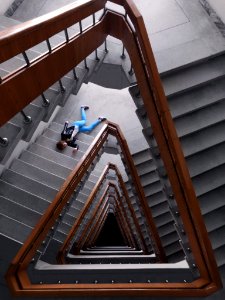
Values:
[(37, 174), (194, 75), (28, 184), (19, 212), (14, 229), (23, 197)]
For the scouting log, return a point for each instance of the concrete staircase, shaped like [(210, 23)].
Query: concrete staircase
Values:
[(196, 100)]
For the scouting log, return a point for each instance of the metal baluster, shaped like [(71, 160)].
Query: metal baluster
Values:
[(27, 119), (94, 21), (26, 58), (46, 102), (138, 94), (131, 71), (123, 56), (106, 49), (4, 141), (75, 74), (49, 46), (80, 25), (85, 64), (66, 35), (62, 87), (96, 55)]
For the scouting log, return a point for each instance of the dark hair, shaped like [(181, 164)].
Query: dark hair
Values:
[(61, 145)]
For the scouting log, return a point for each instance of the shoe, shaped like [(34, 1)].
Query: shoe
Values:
[(85, 107), (76, 149), (102, 119)]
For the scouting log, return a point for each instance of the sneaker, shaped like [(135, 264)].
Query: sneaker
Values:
[(102, 119), (85, 107), (76, 149)]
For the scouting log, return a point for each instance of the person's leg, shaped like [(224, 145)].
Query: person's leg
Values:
[(83, 120), (90, 127)]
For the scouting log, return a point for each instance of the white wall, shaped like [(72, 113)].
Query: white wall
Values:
[(219, 7), (4, 4)]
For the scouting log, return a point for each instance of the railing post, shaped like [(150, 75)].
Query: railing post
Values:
[(80, 25), (96, 55), (62, 87), (4, 142), (123, 56), (106, 49), (46, 102), (131, 71), (94, 21), (49, 46), (75, 74), (66, 35), (85, 64), (26, 119), (26, 58)]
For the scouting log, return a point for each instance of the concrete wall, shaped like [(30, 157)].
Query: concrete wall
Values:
[(4, 4), (219, 7)]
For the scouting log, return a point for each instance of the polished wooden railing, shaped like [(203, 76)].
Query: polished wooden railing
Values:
[(15, 95)]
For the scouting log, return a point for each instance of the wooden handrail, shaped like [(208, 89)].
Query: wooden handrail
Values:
[(17, 39), (140, 52)]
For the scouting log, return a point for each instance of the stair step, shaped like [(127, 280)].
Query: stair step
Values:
[(203, 139), (207, 201), (218, 215), (29, 185), (156, 198), (206, 160), (37, 174), (200, 119), (13, 229), (45, 164), (64, 160), (217, 237), (19, 212), (141, 157), (145, 167), (194, 75), (219, 255), (149, 178), (209, 180), (186, 102), (22, 197)]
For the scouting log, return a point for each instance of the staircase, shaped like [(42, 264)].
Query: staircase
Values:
[(196, 99), (30, 181)]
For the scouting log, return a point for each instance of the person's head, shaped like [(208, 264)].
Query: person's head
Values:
[(61, 145)]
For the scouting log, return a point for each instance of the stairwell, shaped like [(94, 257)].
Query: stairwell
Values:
[(32, 179)]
